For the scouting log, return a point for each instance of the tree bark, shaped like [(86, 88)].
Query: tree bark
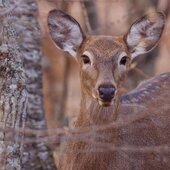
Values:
[(13, 96), (21, 99)]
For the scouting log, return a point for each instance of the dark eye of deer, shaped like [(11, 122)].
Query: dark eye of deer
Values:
[(85, 59), (123, 60)]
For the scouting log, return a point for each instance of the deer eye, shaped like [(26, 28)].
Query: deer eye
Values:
[(85, 59), (123, 60)]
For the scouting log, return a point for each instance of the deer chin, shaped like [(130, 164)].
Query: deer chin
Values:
[(105, 103)]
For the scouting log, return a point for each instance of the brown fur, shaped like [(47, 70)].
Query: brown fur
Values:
[(141, 132), (133, 132)]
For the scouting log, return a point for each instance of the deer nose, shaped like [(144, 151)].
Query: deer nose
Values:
[(106, 92)]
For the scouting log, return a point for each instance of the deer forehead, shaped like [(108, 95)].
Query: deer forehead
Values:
[(104, 46)]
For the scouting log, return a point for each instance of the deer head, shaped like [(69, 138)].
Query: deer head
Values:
[(104, 60)]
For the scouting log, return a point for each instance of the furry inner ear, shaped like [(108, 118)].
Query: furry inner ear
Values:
[(145, 33), (65, 31)]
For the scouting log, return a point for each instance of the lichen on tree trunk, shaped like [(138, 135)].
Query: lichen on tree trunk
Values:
[(21, 99), (13, 98)]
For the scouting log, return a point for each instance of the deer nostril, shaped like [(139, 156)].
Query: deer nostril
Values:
[(106, 92), (112, 91)]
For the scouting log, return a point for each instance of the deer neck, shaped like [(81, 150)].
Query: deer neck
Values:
[(91, 113)]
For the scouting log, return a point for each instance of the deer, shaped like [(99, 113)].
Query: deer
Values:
[(129, 131)]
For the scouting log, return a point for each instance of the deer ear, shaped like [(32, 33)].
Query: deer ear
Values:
[(65, 31), (145, 33)]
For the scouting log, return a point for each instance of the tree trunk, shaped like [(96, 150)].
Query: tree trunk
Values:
[(92, 15), (13, 98), (21, 99)]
